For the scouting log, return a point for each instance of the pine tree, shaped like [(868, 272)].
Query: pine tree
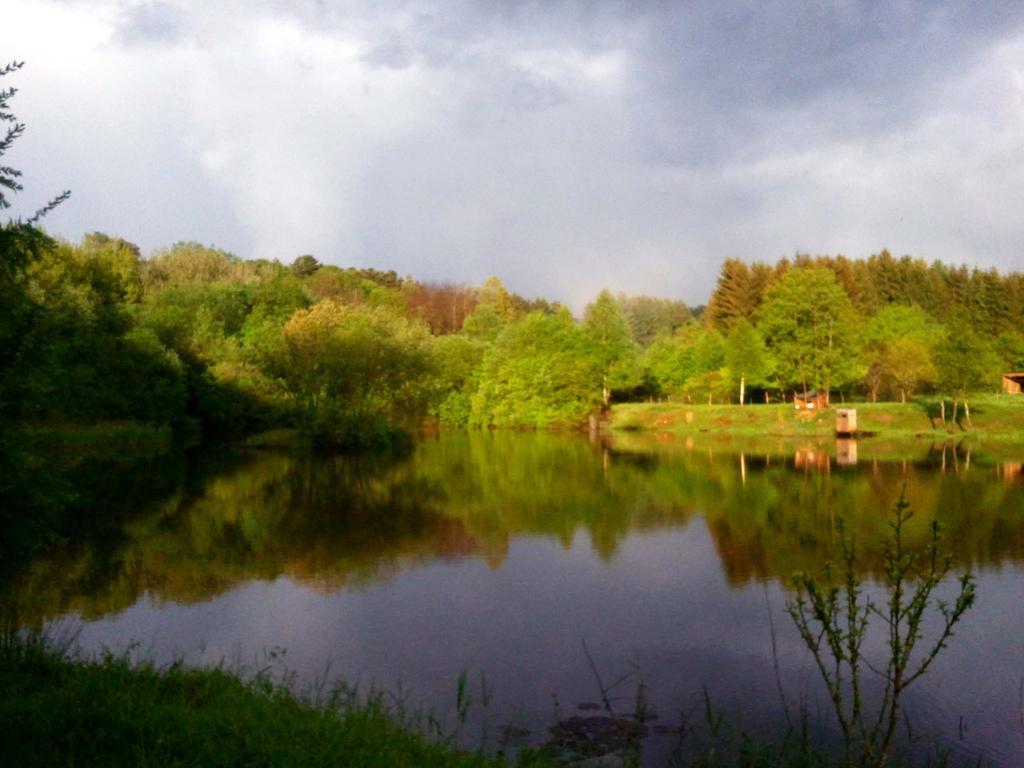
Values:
[(734, 296)]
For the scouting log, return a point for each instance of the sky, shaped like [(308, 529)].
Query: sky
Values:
[(563, 146)]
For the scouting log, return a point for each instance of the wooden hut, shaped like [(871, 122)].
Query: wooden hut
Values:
[(810, 401), (1013, 383)]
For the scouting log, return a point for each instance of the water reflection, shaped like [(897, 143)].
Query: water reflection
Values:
[(185, 529), (501, 552)]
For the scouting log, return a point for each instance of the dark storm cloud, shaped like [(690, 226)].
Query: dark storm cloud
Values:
[(712, 82)]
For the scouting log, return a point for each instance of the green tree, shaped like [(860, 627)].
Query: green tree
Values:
[(884, 365), (693, 350), (747, 358), (459, 357), (650, 318), (734, 296), (810, 326), (189, 262), (611, 343), (352, 372), (1010, 348), (494, 294), (908, 363), (965, 363), (21, 246), (538, 373), (305, 265), (483, 324)]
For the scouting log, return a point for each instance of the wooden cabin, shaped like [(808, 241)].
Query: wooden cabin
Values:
[(810, 401), (1013, 383)]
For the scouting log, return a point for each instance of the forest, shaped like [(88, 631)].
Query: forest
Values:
[(198, 339)]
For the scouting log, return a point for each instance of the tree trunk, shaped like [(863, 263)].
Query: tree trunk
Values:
[(967, 413), (606, 395), (743, 388), (954, 410), (942, 410), (903, 395)]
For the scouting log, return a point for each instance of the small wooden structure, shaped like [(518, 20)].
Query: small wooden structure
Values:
[(1013, 383), (846, 422), (810, 401)]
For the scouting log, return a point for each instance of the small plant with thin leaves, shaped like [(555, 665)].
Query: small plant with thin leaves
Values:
[(834, 616)]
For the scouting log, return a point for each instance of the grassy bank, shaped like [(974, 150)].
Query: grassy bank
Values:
[(60, 711), (995, 417)]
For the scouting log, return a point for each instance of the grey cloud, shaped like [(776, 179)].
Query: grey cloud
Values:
[(566, 146), (152, 23), (531, 92), (713, 81), (392, 54)]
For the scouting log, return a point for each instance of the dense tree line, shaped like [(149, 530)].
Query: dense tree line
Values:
[(197, 338), (878, 327)]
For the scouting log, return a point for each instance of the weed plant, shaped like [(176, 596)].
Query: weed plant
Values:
[(834, 616)]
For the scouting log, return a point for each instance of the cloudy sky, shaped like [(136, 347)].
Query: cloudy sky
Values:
[(565, 146)]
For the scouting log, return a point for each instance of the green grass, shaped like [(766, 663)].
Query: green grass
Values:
[(993, 416), (60, 711)]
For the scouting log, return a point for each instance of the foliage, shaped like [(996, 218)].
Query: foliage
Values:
[(907, 363), (1009, 345), (458, 365), (692, 352), (746, 356), (835, 618), (195, 336), (650, 318), (738, 293), (305, 265), (538, 373), (965, 362), (351, 370), (444, 306), (495, 295), (809, 324), (611, 344)]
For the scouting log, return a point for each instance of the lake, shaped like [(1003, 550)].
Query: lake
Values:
[(543, 567)]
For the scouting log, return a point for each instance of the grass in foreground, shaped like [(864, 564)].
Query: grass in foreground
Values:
[(59, 711)]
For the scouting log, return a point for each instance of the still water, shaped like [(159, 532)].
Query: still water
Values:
[(512, 557)]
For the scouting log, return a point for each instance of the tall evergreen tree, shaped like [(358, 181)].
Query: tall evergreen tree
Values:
[(734, 296)]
